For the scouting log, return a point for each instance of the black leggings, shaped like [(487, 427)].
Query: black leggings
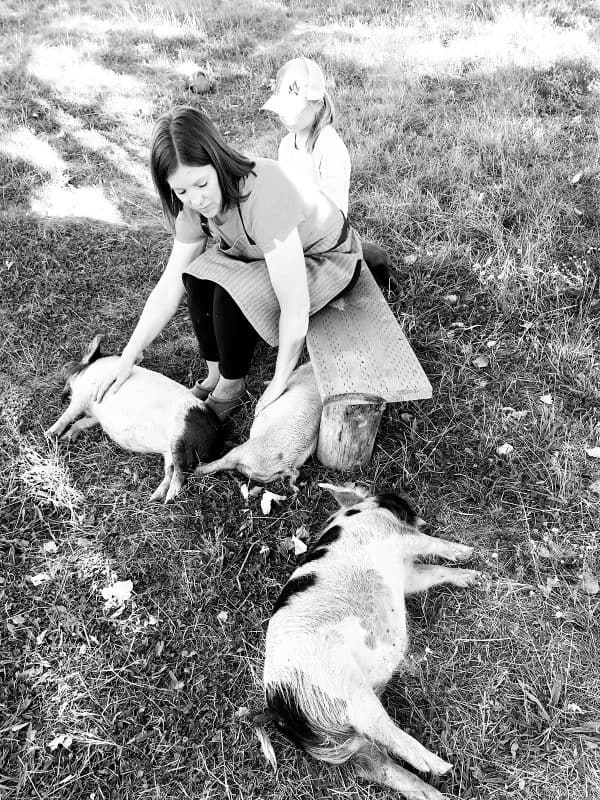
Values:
[(223, 332)]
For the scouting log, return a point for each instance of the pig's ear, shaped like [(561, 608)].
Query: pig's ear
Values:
[(347, 495), (398, 503), (93, 351)]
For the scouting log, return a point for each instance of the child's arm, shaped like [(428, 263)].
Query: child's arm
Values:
[(334, 172)]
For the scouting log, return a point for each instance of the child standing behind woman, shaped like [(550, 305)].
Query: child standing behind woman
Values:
[(313, 147)]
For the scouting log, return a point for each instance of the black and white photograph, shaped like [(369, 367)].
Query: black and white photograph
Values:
[(299, 399)]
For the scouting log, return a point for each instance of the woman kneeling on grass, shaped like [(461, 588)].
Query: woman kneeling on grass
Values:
[(284, 251)]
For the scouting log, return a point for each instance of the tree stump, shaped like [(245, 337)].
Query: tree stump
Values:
[(347, 433)]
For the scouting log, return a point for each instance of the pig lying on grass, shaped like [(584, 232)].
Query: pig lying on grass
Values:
[(338, 633), (150, 413), (282, 437)]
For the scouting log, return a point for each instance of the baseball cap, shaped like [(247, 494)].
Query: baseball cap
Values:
[(298, 81)]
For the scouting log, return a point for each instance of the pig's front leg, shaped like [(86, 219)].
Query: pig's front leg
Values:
[(62, 423), (160, 493), (81, 425), (177, 481), (420, 577), (420, 544)]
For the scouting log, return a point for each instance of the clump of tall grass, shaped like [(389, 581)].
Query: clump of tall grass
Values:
[(46, 478)]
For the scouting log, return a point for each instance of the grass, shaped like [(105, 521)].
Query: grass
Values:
[(473, 130)]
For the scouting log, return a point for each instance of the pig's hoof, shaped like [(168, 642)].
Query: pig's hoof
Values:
[(458, 552), (424, 760), (293, 476), (437, 765), (425, 794), (466, 577), (171, 495)]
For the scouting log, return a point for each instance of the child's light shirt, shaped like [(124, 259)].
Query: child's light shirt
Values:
[(328, 164)]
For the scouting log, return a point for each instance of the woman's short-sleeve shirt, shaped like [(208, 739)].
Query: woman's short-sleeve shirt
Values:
[(278, 201)]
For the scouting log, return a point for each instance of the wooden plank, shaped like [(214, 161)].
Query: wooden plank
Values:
[(347, 433), (357, 347)]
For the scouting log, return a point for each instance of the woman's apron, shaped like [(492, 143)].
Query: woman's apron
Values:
[(240, 268)]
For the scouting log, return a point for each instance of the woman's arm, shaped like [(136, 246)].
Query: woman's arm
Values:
[(160, 307), (287, 271)]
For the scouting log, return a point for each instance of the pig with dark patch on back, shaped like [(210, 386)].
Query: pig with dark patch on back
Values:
[(282, 437), (150, 413), (338, 632)]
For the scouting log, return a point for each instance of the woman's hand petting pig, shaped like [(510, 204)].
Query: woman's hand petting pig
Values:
[(115, 378), (274, 390)]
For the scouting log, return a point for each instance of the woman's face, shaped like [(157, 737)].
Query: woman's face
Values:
[(198, 188)]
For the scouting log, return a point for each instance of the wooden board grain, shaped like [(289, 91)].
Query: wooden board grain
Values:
[(358, 348)]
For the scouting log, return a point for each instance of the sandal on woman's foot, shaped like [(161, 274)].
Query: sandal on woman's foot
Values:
[(201, 392), (223, 408)]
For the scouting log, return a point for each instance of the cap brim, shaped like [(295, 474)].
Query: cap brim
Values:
[(272, 104), (284, 104)]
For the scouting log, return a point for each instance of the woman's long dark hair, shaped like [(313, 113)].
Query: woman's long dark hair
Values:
[(185, 136)]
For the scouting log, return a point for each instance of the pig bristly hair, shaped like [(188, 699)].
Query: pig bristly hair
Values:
[(203, 436), (310, 718)]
